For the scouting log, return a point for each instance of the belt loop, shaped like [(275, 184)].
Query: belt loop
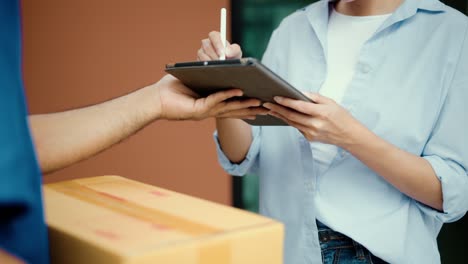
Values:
[(359, 250)]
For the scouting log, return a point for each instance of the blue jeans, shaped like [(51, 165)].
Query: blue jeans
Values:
[(340, 249)]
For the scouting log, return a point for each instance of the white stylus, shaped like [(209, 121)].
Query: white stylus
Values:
[(223, 32)]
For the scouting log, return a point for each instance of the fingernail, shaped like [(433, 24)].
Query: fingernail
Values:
[(267, 105), (278, 99), (228, 51)]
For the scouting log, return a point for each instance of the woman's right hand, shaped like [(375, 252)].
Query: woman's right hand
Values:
[(212, 48)]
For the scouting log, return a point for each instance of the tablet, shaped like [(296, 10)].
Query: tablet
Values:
[(247, 74)]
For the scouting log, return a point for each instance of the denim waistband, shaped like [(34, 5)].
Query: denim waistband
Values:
[(330, 239), (327, 234)]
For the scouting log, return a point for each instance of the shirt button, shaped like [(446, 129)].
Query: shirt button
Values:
[(342, 153)]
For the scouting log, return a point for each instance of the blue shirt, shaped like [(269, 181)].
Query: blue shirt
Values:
[(410, 88), (22, 229)]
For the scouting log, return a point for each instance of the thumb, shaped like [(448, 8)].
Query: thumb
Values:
[(218, 97)]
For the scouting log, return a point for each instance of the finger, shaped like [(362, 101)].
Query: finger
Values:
[(289, 114), (216, 42), (310, 132), (202, 55), (318, 98), (244, 112), (239, 104), (239, 117), (299, 105), (300, 127), (213, 99), (252, 117), (253, 111), (209, 50), (233, 52)]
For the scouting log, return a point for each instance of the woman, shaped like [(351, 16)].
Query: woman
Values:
[(372, 169)]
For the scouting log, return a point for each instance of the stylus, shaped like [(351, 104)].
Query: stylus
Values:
[(223, 32)]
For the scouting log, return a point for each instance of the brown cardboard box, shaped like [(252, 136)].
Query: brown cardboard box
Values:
[(111, 219)]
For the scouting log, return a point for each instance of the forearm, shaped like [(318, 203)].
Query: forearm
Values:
[(235, 138), (67, 137), (409, 173)]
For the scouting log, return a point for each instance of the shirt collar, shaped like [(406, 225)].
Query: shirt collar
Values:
[(318, 14), (429, 5), (413, 5)]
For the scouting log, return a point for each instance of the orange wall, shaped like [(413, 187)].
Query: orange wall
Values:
[(78, 53)]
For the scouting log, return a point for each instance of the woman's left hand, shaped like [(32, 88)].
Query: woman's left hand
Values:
[(324, 120)]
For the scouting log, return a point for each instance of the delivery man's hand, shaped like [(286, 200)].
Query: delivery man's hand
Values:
[(212, 48), (177, 102)]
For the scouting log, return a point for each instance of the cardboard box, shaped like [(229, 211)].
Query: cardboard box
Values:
[(111, 219)]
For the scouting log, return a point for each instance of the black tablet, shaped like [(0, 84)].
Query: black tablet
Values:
[(247, 74)]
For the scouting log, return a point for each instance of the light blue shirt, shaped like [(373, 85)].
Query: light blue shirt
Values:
[(410, 88)]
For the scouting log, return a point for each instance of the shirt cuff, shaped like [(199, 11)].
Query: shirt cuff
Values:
[(454, 182), (240, 169)]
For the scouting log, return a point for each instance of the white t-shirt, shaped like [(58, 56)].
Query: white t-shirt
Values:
[(346, 36)]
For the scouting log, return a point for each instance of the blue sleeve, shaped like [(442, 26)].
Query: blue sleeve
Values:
[(22, 229), (447, 148), (16, 188), (249, 164)]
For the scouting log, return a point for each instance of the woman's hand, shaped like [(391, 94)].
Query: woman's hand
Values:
[(327, 122), (324, 121), (212, 48)]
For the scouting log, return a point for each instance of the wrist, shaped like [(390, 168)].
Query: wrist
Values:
[(357, 137), (363, 141), (151, 101)]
